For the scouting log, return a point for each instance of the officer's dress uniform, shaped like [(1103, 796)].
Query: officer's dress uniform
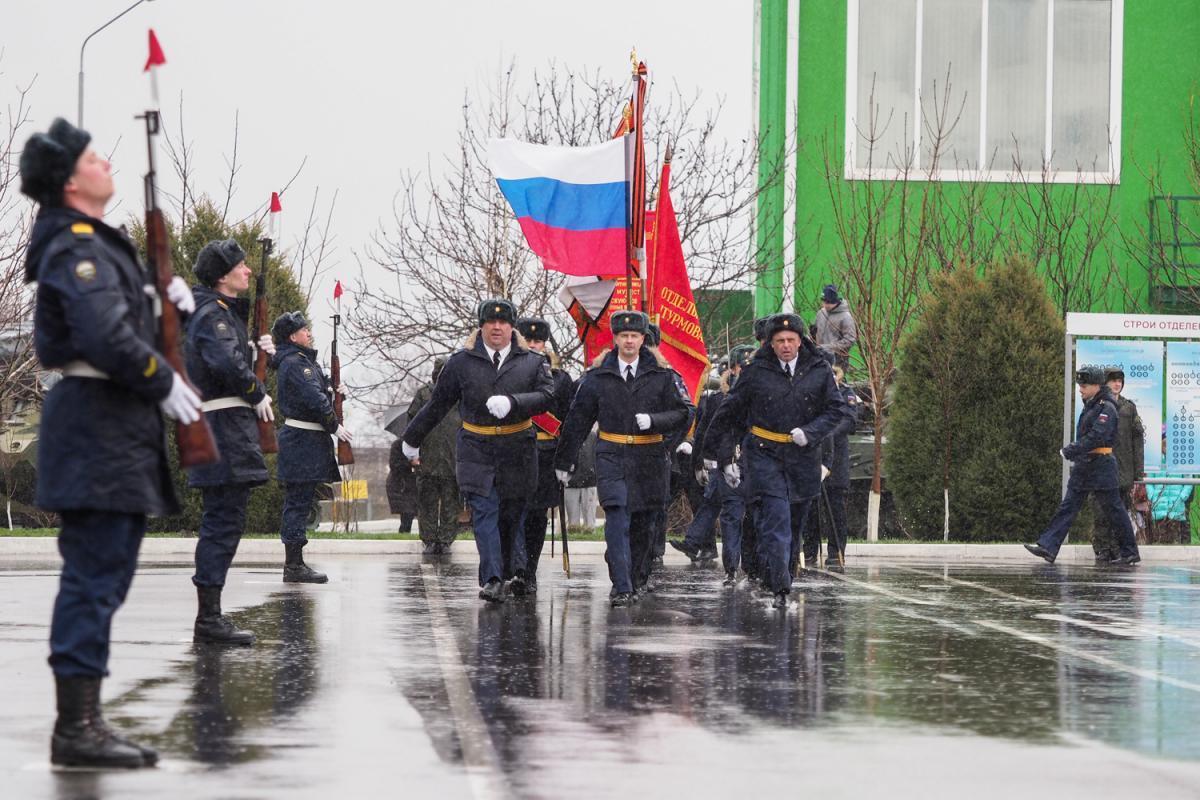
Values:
[(102, 456), (631, 478), (306, 452), (761, 409), (219, 362), (702, 531), (496, 459), (548, 426), (675, 486), (1093, 470), (835, 455)]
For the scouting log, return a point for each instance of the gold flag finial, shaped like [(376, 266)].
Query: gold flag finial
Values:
[(633, 62)]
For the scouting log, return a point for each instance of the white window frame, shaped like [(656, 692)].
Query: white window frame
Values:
[(1112, 175)]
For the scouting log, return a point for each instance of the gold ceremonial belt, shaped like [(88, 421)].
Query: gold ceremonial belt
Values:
[(771, 436), (546, 437), (631, 438), (497, 430), (1102, 451)]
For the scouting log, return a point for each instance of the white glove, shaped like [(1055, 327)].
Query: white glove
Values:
[(1062, 451), (499, 406), (343, 434), (685, 448), (181, 403), (410, 452), (264, 410), (824, 472), (563, 476), (266, 344), (710, 464), (798, 437), (643, 421), (733, 476), (180, 295)]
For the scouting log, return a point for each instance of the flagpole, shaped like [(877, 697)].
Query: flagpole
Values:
[(628, 233)]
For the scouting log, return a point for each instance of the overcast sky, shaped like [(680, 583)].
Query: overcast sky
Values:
[(365, 90)]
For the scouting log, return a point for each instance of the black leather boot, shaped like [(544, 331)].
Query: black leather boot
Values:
[(81, 738), (295, 570), (212, 627)]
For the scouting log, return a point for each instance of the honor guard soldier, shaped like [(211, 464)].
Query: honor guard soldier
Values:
[(220, 362), (498, 384), (633, 396), (1093, 470), (548, 495), (782, 406), (306, 455), (102, 458)]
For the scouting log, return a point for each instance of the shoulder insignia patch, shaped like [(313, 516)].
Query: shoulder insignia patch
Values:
[(1104, 417), (222, 327), (308, 372), (85, 270), (82, 229)]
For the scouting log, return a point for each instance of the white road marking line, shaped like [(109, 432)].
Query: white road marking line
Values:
[(880, 590), (973, 585), (1141, 627), (1083, 655), (479, 754)]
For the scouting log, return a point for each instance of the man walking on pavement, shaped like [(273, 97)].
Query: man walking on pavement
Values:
[(633, 395), (438, 498), (102, 443), (835, 477), (498, 384), (1129, 448), (306, 453), (785, 402), (548, 495), (836, 331), (220, 362), (1094, 470)]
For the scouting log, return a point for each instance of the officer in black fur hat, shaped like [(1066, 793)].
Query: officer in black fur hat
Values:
[(498, 384), (102, 456), (548, 424), (220, 362), (306, 455), (631, 392), (785, 402)]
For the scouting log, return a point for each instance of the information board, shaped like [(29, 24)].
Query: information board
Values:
[(1142, 362), (1183, 406)]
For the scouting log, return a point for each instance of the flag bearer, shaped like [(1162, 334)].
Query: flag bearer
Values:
[(633, 395), (782, 406), (498, 384)]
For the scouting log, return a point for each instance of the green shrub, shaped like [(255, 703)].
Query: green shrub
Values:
[(978, 408)]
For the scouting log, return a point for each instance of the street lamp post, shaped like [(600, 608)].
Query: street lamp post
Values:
[(84, 45)]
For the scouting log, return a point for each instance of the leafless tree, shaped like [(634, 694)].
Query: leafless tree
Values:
[(453, 240)]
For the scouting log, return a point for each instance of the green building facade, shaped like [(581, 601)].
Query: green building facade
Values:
[(1061, 97)]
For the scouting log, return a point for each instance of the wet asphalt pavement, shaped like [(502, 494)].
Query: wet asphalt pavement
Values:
[(393, 680)]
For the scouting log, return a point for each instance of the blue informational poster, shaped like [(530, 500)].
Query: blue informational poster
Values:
[(1143, 365), (1183, 406)]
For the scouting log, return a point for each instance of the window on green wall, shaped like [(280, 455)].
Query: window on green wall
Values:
[(1000, 90)]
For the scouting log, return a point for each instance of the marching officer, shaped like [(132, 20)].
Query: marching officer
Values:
[(536, 332), (782, 406), (306, 455), (102, 460), (633, 395), (1094, 470), (498, 385), (220, 362)]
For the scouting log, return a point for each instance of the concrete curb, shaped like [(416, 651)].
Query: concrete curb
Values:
[(271, 550)]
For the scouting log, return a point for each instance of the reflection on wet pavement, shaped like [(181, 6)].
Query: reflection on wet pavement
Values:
[(914, 680)]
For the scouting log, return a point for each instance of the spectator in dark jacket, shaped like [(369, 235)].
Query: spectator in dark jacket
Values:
[(1130, 451), (438, 500), (835, 472), (401, 487)]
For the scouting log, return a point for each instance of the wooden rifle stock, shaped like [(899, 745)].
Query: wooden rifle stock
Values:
[(345, 453), (196, 442), (266, 430)]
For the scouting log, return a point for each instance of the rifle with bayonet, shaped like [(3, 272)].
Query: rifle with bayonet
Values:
[(345, 453), (266, 429), (195, 440)]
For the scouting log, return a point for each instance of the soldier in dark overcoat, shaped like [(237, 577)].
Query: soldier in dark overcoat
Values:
[(782, 406), (306, 453), (1093, 471), (220, 362), (102, 447), (548, 424), (497, 384), (633, 395)]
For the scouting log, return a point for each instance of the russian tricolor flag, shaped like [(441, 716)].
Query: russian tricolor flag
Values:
[(570, 202)]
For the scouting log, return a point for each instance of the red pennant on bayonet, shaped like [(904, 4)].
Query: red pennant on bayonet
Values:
[(156, 57), (276, 206), (337, 290)]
